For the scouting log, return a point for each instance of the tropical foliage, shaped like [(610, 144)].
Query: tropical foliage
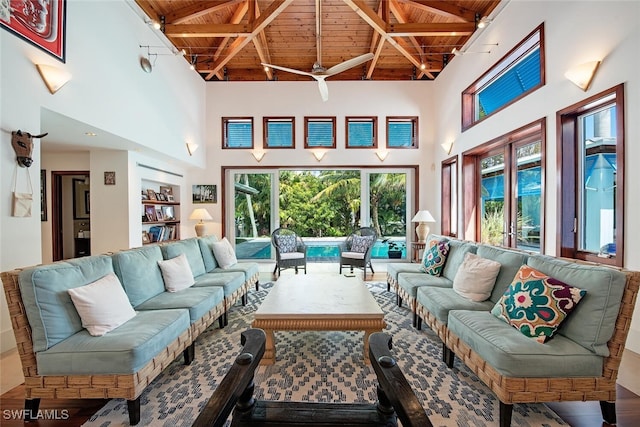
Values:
[(321, 203)]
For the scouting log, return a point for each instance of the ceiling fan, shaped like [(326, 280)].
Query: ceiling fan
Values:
[(320, 73)]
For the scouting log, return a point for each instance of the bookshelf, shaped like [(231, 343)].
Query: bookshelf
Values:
[(160, 213)]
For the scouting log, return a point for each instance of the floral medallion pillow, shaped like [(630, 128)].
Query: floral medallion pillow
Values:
[(435, 258), (360, 244), (536, 304), (287, 243)]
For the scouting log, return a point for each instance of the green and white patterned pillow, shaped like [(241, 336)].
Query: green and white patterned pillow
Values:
[(536, 304), (435, 257)]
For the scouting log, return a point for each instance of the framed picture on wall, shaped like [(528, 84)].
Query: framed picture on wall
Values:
[(81, 208), (43, 195), (204, 194), (42, 24)]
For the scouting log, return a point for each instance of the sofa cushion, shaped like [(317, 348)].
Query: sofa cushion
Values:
[(510, 262), (410, 282), (457, 250), (191, 249), (229, 281), (102, 305), (476, 277), (197, 300), (537, 304), (393, 269), (122, 351), (176, 273), (251, 270), (435, 258), (139, 272), (224, 253), (51, 313), (514, 355), (593, 321), (206, 250), (440, 301)]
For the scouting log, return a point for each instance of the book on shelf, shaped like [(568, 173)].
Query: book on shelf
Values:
[(159, 233)]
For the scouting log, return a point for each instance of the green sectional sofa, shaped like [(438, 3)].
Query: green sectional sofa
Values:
[(61, 358), (580, 362)]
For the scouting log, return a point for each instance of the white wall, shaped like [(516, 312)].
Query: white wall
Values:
[(159, 111), (300, 99), (606, 30)]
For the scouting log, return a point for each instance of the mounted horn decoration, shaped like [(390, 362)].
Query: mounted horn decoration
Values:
[(23, 146)]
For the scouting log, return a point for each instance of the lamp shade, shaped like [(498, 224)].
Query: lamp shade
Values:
[(423, 216), (200, 214)]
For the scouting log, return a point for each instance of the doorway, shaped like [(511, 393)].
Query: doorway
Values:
[(70, 214)]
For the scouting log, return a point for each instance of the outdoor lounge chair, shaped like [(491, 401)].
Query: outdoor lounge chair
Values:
[(356, 250), (291, 252)]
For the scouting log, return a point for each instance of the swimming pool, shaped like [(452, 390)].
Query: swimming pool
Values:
[(318, 250)]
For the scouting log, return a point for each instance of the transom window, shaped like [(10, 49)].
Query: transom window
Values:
[(320, 132), (279, 132), (402, 132), (237, 132), (362, 132), (517, 74)]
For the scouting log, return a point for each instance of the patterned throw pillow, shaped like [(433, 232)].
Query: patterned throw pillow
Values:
[(287, 243), (536, 304), (435, 257), (360, 244)]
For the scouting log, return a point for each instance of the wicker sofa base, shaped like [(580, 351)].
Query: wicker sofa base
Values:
[(392, 284), (403, 296)]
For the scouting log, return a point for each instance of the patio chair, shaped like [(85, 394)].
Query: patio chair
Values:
[(291, 252), (356, 249)]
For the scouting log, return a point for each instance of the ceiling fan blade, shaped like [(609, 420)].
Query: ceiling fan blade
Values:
[(288, 70), (324, 89), (350, 63)]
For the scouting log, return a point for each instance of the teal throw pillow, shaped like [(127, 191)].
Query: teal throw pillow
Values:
[(435, 257)]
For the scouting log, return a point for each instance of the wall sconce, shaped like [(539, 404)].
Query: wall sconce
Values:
[(191, 148), (447, 147), (258, 154), (582, 75), (53, 77), (382, 154), (319, 154)]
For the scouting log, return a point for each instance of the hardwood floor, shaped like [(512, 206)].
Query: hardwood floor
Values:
[(75, 412)]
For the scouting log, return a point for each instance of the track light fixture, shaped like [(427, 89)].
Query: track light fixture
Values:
[(194, 61), (484, 22)]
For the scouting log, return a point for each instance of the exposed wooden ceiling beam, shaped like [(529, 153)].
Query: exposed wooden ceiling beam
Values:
[(371, 18), (431, 30), (377, 43), (402, 18), (196, 10), (274, 9), (443, 9), (260, 42), (207, 30), (237, 16)]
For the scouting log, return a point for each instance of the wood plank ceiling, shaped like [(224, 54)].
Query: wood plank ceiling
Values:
[(229, 40)]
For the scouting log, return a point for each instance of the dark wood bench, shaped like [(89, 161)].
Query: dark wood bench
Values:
[(396, 399)]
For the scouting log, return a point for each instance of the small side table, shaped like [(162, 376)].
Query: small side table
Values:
[(417, 247)]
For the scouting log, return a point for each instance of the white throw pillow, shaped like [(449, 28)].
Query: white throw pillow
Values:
[(225, 256), (176, 273), (102, 305), (476, 277)]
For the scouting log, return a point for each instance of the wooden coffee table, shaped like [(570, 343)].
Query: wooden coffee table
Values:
[(318, 303)]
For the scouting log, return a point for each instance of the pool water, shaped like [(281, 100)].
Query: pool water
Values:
[(316, 250)]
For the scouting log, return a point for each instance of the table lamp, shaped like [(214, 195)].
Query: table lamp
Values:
[(422, 230), (200, 214)]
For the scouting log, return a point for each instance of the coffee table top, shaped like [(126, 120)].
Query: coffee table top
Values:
[(319, 296)]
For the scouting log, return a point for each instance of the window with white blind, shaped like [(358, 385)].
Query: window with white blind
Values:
[(279, 132), (237, 132), (320, 132), (361, 132), (402, 132)]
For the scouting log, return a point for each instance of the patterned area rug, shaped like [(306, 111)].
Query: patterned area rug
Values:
[(323, 367)]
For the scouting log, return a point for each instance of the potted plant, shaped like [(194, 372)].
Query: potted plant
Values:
[(395, 248)]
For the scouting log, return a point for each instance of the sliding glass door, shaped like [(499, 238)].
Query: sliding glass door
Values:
[(322, 206)]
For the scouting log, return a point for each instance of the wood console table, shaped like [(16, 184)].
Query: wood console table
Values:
[(416, 248)]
